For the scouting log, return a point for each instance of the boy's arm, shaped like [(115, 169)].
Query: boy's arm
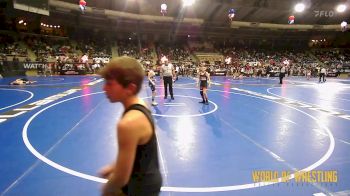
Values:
[(127, 142), (209, 81), (149, 78)]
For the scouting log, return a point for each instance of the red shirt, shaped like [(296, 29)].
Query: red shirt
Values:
[(82, 2)]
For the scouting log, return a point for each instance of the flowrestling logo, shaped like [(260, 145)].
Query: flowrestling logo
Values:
[(324, 13)]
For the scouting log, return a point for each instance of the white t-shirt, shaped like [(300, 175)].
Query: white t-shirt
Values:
[(94, 66), (167, 69), (323, 70), (84, 59), (283, 69)]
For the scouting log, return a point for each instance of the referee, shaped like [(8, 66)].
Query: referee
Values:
[(282, 73), (168, 73)]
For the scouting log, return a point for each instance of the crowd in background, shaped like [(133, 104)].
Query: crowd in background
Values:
[(236, 59)]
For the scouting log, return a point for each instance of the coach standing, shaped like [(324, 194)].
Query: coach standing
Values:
[(168, 73)]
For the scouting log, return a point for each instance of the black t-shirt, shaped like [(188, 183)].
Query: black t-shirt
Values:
[(203, 77), (145, 177)]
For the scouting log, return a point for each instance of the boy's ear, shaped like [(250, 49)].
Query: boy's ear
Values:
[(132, 88)]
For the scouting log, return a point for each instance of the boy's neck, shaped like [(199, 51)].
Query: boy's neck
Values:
[(131, 101)]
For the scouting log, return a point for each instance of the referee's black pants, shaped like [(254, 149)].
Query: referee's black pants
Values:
[(168, 80), (322, 75), (281, 76)]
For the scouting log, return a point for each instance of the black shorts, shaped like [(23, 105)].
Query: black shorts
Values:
[(203, 84), (153, 87)]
